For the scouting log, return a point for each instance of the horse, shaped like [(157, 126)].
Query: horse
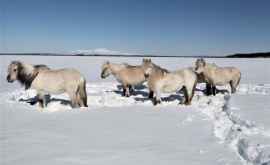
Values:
[(218, 76), (127, 75), (49, 81), (201, 79), (161, 80)]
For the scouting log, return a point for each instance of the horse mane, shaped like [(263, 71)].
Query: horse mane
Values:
[(208, 65), (211, 65), (41, 66), (128, 65), (27, 73), (163, 70)]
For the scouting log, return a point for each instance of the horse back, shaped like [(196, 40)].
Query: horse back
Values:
[(132, 75), (223, 75), (57, 81)]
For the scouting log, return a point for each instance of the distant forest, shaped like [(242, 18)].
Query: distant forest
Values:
[(250, 55)]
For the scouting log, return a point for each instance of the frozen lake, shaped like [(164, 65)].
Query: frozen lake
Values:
[(224, 130)]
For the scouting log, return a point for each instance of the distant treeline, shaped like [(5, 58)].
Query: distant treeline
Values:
[(238, 55), (250, 55)]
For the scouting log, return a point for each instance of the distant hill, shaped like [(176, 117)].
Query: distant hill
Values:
[(238, 55), (250, 55)]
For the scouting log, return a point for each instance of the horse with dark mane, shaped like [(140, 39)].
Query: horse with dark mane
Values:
[(218, 76), (47, 81)]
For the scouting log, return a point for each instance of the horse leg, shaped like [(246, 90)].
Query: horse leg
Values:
[(236, 83), (41, 100), (124, 91), (74, 102), (127, 94), (157, 99), (187, 100), (46, 99), (192, 91), (233, 89), (187, 94), (130, 88), (74, 99), (80, 101), (151, 94), (82, 95), (208, 89), (214, 90)]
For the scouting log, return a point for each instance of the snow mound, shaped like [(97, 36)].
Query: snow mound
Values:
[(263, 89), (233, 130)]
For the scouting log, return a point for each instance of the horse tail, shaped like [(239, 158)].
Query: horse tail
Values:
[(194, 87), (238, 81), (190, 89), (82, 91)]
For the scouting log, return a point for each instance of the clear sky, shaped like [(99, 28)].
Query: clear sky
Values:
[(163, 27)]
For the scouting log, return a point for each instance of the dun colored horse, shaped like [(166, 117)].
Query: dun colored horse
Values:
[(162, 81), (127, 75), (48, 81), (218, 76)]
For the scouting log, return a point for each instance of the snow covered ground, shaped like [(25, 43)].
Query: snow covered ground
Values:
[(224, 130)]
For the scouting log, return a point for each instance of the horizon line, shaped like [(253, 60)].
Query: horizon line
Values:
[(239, 55)]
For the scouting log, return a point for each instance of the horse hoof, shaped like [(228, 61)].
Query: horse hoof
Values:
[(40, 109), (157, 102), (187, 103)]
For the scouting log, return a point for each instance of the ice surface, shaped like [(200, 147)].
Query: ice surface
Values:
[(224, 129)]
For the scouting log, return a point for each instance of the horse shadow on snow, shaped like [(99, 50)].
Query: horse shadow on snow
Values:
[(34, 100), (138, 90)]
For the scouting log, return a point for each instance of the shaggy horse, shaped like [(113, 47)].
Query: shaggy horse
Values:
[(48, 81), (201, 79), (162, 81), (218, 76), (127, 75)]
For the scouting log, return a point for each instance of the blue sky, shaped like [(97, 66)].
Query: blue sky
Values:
[(163, 27)]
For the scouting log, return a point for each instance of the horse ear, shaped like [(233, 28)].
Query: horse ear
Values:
[(15, 62), (203, 62), (197, 61), (146, 60)]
